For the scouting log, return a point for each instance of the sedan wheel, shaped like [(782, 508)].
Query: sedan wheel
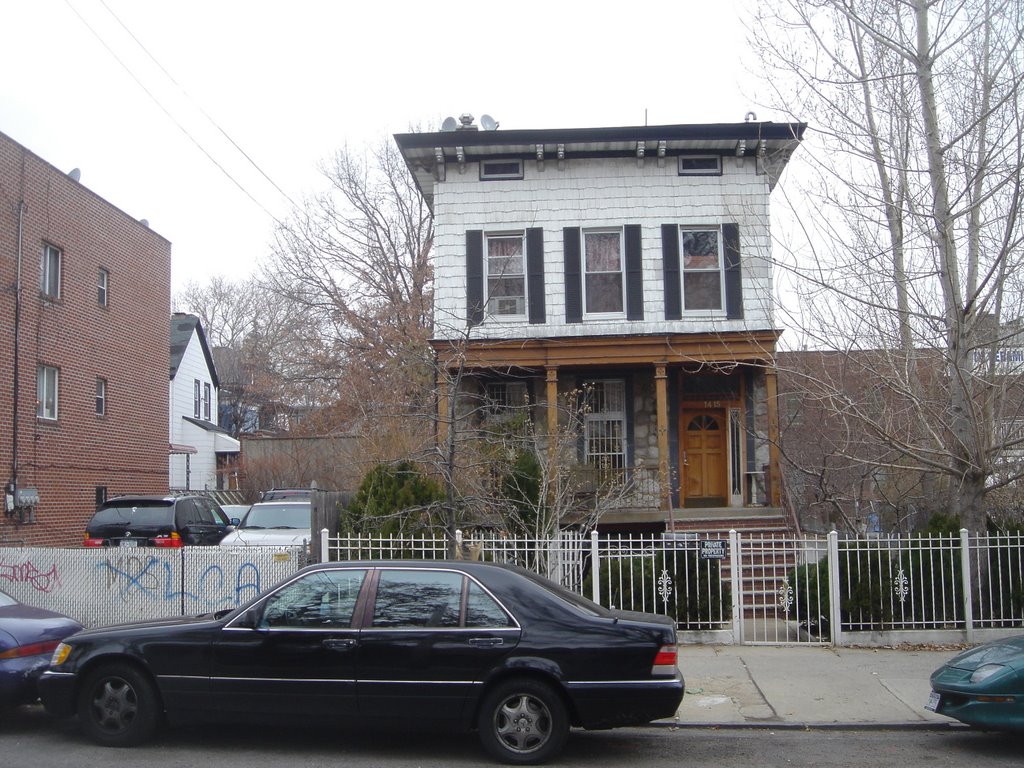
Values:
[(118, 706), (523, 722)]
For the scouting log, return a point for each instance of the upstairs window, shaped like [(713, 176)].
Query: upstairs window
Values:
[(102, 285), (49, 274), (197, 398), (206, 401), (491, 170), (700, 165), (47, 381), (701, 251), (603, 283), (101, 397), (506, 275)]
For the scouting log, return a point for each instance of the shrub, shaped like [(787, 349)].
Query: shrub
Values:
[(699, 598), (391, 500)]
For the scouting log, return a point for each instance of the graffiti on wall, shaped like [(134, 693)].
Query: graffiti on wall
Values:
[(28, 573), (132, 576)]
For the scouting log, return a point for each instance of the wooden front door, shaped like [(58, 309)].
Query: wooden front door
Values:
[(704, 446)]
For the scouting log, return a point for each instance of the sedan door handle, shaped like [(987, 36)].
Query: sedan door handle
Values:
[(334, 644), (486, 642)]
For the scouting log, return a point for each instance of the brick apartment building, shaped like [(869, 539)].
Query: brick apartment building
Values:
[(84, 302)]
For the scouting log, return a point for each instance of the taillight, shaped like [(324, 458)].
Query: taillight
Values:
[(666, 661), (32, 649), (171, 540), (91, 542)]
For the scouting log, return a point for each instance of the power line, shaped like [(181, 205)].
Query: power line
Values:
[(202, 111), (171, 117)]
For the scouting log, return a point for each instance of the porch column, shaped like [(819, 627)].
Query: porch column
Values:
[(661, 395), (552, 411), (771, 382), (442, 409)]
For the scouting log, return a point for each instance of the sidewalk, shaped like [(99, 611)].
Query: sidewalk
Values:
[(795, 686)]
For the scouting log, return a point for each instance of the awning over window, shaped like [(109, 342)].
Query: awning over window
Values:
[(225, 444), (179, 448)]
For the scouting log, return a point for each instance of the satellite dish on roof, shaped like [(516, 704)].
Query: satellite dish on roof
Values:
[(449, 124), (488, 123)]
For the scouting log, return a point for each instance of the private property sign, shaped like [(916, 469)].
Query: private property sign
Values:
[(713, 549)]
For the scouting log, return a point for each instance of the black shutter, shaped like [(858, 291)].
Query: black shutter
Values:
[(733, 272), (634, 274), (673, 280), (535, 273), (474, 277), (573, 276)]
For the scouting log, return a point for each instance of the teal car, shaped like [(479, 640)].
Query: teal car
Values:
[(983, 686)]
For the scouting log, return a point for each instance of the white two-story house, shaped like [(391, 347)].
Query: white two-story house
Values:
[(201, 451), (631, 265)]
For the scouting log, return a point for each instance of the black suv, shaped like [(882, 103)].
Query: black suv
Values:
[(157, 521)]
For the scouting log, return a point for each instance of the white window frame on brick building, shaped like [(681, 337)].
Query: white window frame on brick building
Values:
[(47, 392), (505, 274), (600, 276), (604, 423), (101, 396), (49, 271), (103, 286), (698, 266)]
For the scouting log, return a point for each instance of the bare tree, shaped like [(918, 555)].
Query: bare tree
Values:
[(357, 259), (263, 348), (908, 236)]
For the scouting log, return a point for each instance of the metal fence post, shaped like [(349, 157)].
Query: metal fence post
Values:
[(835, 613), (736, 583), (325, 538), (595, 568), (965, 574)]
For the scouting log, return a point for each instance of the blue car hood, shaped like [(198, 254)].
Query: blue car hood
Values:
[(1008, 652)]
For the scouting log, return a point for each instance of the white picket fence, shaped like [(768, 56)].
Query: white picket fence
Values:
[(739, 589), (767, 589)]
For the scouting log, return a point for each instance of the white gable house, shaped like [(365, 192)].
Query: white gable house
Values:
[(200, 449)]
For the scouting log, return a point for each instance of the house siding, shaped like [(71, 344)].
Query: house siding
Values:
[(602, 192), (199, 471), (125, 343)]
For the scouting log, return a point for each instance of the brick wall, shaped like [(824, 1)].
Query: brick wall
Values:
[(127, 343)]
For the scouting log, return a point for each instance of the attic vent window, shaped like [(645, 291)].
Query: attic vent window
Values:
[(501, 169), (700, 165)]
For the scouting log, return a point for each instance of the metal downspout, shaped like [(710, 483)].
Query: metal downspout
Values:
[(17, 346)]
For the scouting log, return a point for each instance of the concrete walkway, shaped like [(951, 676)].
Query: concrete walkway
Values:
[(795, 686)]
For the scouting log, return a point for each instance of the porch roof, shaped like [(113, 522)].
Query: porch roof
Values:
[(757, 347)]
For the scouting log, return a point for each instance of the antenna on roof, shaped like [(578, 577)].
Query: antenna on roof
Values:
[(488, 123), (449, 124)]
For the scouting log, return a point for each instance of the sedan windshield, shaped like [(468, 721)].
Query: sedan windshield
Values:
[(278, 516)]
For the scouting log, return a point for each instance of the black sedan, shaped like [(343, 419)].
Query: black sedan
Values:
[(454, 645), (28, 636)]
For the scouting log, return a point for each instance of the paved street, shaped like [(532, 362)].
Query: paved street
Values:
[(30, 739)]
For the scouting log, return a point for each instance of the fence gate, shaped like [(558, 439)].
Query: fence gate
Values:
[(770, 605)]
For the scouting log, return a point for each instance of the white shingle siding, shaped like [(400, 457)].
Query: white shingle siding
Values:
[(601, 193), (202, 465)]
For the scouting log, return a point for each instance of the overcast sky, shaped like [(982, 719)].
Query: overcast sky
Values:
[(140, 95)]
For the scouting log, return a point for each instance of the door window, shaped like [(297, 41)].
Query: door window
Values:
[(417, 599), (323, 599)]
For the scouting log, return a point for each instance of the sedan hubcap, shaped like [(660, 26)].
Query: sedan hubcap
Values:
[(115, 705), (523, 723)]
